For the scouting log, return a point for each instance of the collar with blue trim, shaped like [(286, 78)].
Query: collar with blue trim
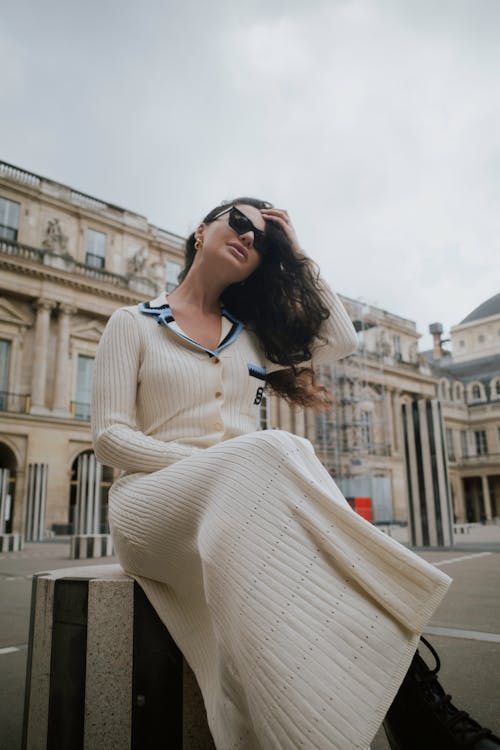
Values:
[(160, 310)]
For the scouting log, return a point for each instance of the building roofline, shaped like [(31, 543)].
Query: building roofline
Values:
[(31, 179)]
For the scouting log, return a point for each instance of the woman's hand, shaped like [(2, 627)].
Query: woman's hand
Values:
[(280, 216)]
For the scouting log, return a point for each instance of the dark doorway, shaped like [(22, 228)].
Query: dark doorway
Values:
[(8, 470), (474, 499)]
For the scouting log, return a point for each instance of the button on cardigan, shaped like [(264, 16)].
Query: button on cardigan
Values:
[(297, 616)]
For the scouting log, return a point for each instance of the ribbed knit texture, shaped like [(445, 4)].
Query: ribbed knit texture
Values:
[(298, 617)]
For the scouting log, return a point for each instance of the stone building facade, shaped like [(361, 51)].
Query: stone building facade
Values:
[(469, 389), (68, 260)]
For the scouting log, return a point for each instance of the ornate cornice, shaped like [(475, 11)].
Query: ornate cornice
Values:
[(92, 287)]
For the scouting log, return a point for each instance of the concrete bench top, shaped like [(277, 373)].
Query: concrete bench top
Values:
[(112, 572)]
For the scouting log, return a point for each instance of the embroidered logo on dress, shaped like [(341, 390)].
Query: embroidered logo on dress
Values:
[(259, 395)]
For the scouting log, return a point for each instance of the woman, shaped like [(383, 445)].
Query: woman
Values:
[(298, 618)]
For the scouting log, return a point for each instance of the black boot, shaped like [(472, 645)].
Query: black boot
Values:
[(422, 716)]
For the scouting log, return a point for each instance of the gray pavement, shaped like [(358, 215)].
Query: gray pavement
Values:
[(468, 623)]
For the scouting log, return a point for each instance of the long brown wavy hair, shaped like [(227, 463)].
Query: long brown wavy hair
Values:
[(282, 303)]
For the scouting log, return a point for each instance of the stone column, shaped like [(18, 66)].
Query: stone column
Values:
[(389, 418), (88, 505), (274, 421), (40, 348), (396, 415), (430, 512), (486, 497), (285, 417), (300, 421), (4, 489), (36, 502), (460, 500), (61, 396), (310, 422), (15, 375)]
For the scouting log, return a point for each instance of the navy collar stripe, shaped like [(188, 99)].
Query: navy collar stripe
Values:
[(164, 316)]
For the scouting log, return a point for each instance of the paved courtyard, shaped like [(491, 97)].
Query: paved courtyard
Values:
[(465, 630)]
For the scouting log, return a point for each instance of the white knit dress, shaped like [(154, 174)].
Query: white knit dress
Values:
[(298, 617)]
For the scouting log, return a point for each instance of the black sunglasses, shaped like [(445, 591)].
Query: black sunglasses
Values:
[(241, 224)]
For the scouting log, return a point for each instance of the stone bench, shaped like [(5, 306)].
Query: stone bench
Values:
[(103, 671)]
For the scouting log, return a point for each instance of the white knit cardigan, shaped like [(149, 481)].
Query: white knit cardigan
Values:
[(298, 617)]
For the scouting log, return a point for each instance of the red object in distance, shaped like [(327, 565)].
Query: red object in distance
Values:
[(362, 505)]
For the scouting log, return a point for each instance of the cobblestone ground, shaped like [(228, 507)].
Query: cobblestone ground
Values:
[(465, 629)]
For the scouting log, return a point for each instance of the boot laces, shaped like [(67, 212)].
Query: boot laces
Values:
[(454, 719)]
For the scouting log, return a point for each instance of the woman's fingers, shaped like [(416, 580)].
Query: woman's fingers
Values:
[(281, 217), (276, 214)]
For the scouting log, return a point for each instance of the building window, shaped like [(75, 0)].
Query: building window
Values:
[(458, 392), (444, 390), (463, 443), (476, 393), (481, 444), (4, 372), (367, 431), (81, 404), (449, 444), (396, 341), (480, 338), (497, 389), (9, 219), (95, 249), (173, 271), (461, 344)]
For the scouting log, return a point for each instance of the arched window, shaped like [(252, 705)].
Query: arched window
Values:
[(476, 392), (495, 388), (444, 390), (458, 392)]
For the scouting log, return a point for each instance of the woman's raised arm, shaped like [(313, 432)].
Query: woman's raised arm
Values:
[(338, 337)]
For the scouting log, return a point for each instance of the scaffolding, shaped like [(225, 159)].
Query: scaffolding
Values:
[(353, 438)]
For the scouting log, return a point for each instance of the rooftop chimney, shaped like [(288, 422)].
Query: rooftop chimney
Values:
[(437, 329)]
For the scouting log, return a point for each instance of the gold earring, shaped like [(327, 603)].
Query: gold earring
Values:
[(198, 243)]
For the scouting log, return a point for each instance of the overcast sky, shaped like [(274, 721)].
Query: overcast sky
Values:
[(376, 123)]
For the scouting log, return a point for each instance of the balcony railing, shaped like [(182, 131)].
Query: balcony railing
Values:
[(34, 180), (90, 202), (65, 263), (361, 451), (16, 403), (9, 247), (80, 410), (9, 170), (94, 261), (488, 458)]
